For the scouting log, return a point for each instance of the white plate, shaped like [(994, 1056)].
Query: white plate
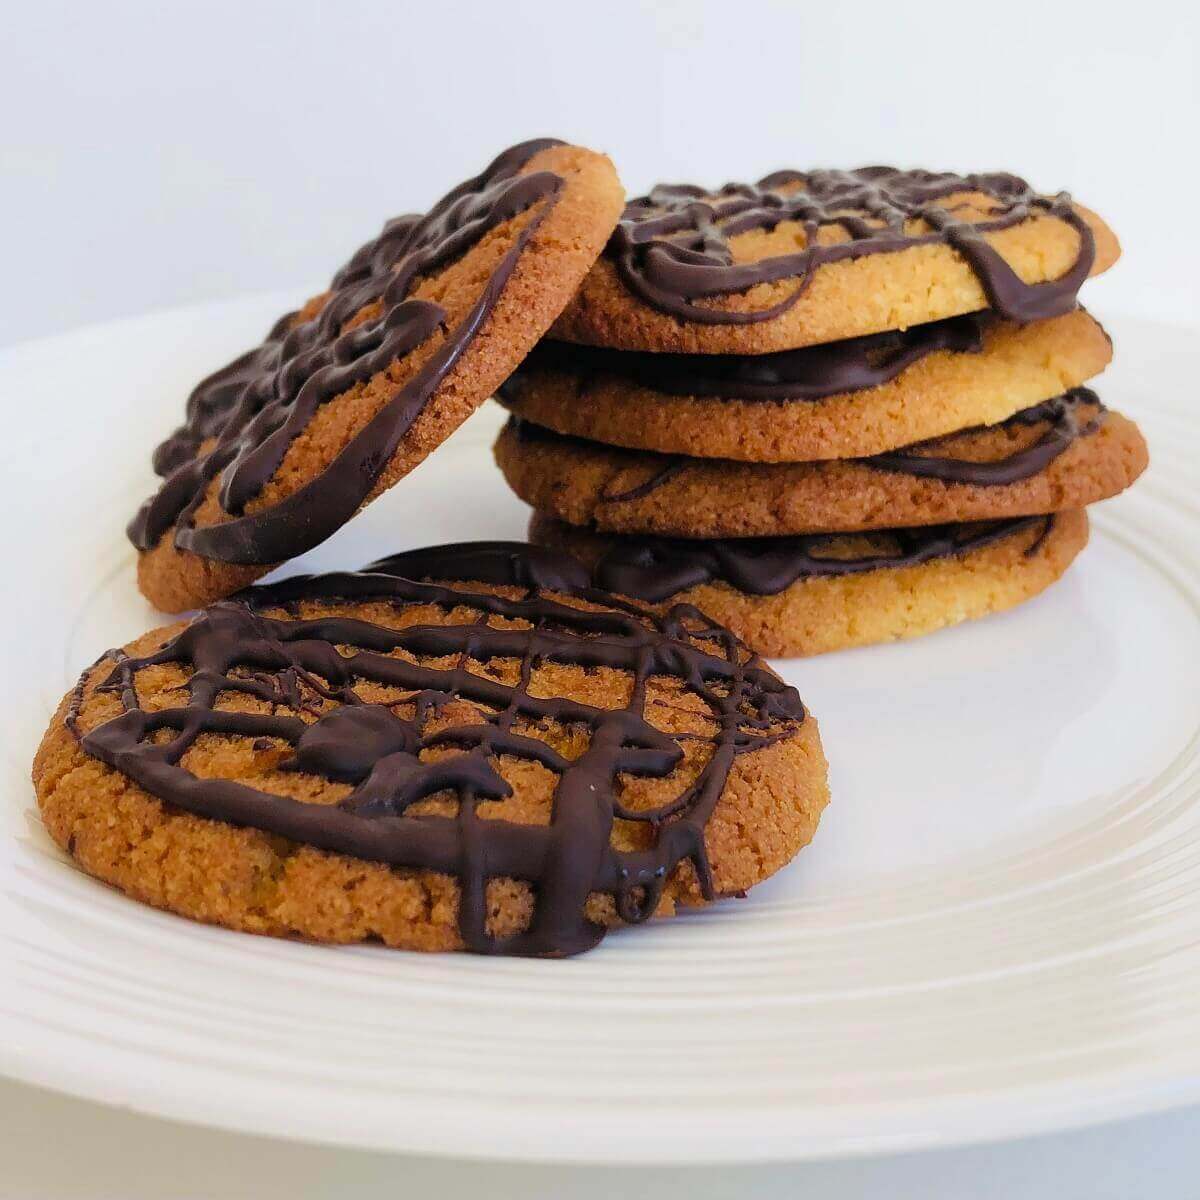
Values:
[(997, 930)]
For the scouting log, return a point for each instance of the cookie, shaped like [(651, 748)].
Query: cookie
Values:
[(810, 595), (510, 765), (1064, 453), (842, 400), (345, 397), (804, 258)]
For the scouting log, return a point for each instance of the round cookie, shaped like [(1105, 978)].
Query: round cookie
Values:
[(804, 258), (344, 398), (506, 766), (841, 400), (810, 595), (1065, 453)]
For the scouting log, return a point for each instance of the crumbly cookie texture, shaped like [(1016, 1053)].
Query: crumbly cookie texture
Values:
[(258, 882), (631, 491), (1017, 367), (818, 615), (546, 275), (843, 299)]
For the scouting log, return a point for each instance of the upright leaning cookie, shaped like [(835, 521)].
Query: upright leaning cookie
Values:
[(802, 258), (506, 761), (285, 444)]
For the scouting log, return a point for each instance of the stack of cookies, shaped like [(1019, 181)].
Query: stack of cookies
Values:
[(824, 410), (827, 409)]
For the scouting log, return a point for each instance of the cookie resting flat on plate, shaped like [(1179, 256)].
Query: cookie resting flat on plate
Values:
[(504, 760)]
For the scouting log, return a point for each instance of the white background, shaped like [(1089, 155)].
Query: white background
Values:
[(157, 154), (163, 153)]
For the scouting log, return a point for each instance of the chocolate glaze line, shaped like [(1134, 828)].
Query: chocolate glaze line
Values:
[(668, 471), (672, 248), (311, 666), (504, 564), (655, 569), (808, 374), (1065, 424), (241, 421)]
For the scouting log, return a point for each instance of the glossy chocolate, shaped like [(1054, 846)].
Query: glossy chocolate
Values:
[(672, 247), (656, 569), (307, 669), (811, 373), (1074, 414)]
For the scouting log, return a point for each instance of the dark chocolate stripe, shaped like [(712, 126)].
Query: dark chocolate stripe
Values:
[(811, 373), (1065, 425), (305, 665), (672, 248), (656, 569), (668, 471)]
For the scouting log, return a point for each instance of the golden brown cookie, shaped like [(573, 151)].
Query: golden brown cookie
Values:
[(810, 595), (841, 400), (1065, 453), (804, 258), (510, 765), (344, 398)]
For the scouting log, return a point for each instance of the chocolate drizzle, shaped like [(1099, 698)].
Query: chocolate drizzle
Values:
[(672, 248), (668, 471), (1065, 424), (309, 669), (655, 569), (241, 421), (811, 373)]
